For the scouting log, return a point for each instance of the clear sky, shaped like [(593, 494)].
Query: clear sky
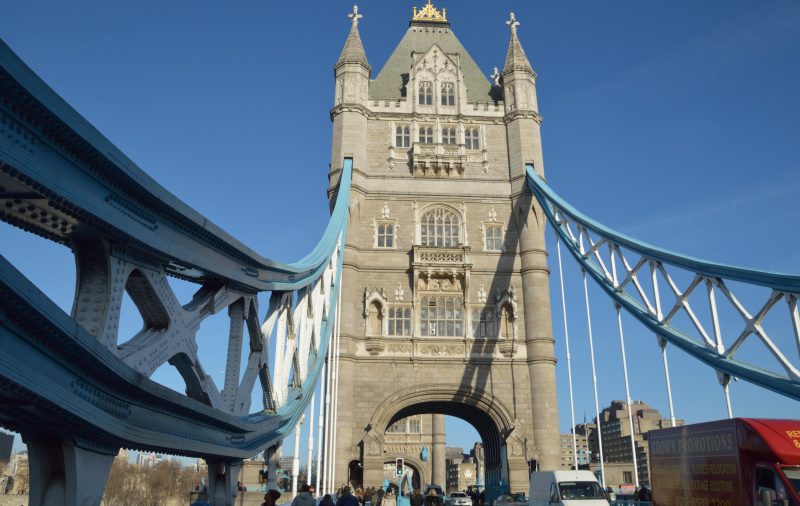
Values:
[(674, 122)]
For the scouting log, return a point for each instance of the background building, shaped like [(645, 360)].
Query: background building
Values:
[(615, 429), (6, 443), (568, 450)]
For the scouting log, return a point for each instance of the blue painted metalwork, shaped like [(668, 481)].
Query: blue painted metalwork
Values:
[(563, 217), (60, 377)]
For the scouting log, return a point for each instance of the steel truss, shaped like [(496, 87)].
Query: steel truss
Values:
[(69, 383), (645, 281)]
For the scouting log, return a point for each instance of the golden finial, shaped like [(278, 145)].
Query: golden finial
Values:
[(430, 13)]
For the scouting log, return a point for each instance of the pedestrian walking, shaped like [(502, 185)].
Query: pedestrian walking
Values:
[(346, 498), (389, 498), (271, 497), (304, 498), (416, 498), (432, 499)]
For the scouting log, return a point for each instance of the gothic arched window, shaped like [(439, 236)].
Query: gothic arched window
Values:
[(448, 94), (426, 135), (483, 322), (441, 315), (439, 227), (448, 135), (471, 139), (425, 93), (402, 136)]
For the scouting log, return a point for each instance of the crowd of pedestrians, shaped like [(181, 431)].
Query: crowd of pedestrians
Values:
[(371, 496)]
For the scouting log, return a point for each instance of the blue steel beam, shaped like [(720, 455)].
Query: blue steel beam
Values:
[(60, 178), (55, 376), (47, 144), (560, 213)]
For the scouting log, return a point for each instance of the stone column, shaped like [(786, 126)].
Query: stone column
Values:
[(439, 475)]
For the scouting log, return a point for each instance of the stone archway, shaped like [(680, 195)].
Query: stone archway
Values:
[(506, 449)]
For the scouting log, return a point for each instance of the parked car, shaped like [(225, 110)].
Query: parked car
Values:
[(511, 500), (458, 499)]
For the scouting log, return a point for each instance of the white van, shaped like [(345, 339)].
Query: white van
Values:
[(566, 488)]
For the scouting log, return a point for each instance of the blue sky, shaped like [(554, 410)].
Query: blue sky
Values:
[(674, 122)]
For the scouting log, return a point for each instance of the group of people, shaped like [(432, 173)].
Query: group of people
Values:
[(640, 494), (346, 497)]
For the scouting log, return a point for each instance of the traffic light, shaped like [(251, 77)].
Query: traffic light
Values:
[(398, 462)]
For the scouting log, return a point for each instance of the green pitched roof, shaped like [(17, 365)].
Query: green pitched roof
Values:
[(390, 81)]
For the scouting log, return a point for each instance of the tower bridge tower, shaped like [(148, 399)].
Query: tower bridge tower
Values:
[(445, 308)]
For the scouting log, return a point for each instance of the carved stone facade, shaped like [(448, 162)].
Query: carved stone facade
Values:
[(445, 308)]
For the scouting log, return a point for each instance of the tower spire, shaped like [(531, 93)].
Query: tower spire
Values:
[(353, 51), (515, 57)]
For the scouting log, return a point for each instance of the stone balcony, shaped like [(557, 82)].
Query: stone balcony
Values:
[(442, 259), (438, 160)]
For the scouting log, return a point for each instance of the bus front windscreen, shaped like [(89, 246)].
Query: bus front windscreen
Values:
[(580, 490)]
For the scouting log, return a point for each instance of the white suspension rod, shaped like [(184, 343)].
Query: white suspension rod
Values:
[(320, 425), (337, 354), (613, 252), (569, 361), (627, 395), (663, 346), (726, 388), (594, 379), (296, 456), (662, 343), (328, 392), (310, 461)]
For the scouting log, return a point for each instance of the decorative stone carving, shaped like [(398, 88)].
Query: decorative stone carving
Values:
[(374, 295), (508, 298), (374, 345), (481, 295), (399, 348), (373, 449), (399, 293), (508, 347), (450, 282), (441, 349), (385, 211), (442, 257)]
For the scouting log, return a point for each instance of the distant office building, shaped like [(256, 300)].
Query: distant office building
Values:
[(148, 460), (461, 470), (568, 453), (615, 429), (478, 456), (6, 443)]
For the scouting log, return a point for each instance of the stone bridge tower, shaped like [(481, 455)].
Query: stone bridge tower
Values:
[(446, 307)]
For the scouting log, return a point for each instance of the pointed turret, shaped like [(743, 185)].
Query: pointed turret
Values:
[(353, 51), (524, 140), (349, 113), (519, 79), (515, 56)]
